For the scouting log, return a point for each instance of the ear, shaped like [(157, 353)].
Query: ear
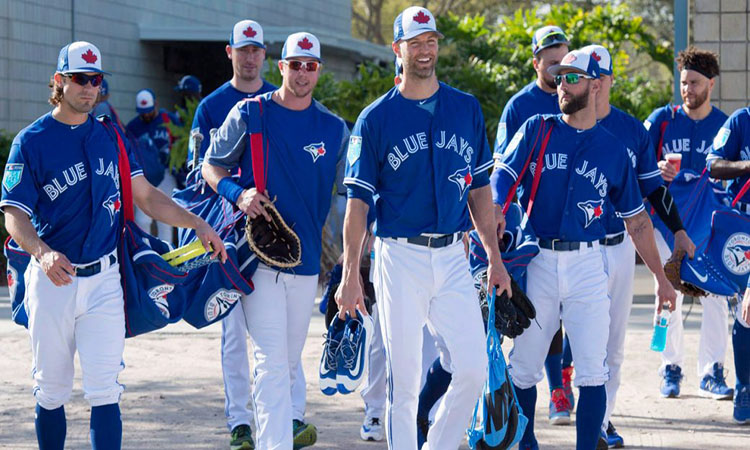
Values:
[(596, 85), (281, 67), (396, 49), (535, 63), (58, 78), (711, 83), (229, 52)]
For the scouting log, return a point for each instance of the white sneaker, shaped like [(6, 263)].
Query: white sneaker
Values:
[(371, 430)]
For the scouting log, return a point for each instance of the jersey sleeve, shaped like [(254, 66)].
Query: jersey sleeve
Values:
[(484, 154), (728, 141), (653, 126), (506, 128), (341, 160), (361, 162), (649, 177), (228, 141), (624, 192), (202, 123), (477, 258), (509, 165), (20, 188)]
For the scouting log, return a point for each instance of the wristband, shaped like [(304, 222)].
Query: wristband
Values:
[(229, 189)]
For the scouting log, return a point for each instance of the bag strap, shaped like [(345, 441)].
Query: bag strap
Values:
[(255, 131), (123, 163), (165, 120), (537, 173), (662, 131), (743, 191)]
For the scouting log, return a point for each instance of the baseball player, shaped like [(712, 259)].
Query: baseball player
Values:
[(729, 159), (62, 204), (688, 130), (619, 252), (583, 173), (422, 147), (548, 45), (302, 165), (150, 127), (246, 51), (189, 87)]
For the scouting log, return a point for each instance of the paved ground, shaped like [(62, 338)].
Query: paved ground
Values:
[(174, 395)]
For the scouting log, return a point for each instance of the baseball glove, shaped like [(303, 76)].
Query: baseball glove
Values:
[(672, 271), (512, 315), (274, 242)]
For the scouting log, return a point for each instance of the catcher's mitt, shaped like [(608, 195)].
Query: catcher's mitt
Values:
[(672, 271), (274, 243), (512, 315)]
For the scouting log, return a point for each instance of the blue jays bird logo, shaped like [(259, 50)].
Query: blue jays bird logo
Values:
[(316, 150), (113, 205), (592, 209), (462, 178), (736, 253)]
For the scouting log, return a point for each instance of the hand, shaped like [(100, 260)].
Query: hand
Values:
[(57, 267), (349, 296), (665, 295), (210, 239), (251, 203), (497, 276), (746, 307), (667, 170), (683, 242), (500, 219)]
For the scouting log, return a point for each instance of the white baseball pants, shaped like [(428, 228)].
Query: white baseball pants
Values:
[(373, 389), (278, 316), (416, 285), (86, 315)]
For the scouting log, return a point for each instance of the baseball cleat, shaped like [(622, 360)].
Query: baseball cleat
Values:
[(329, 359), (715, 386), (614, 440), (242, 438), (559, 408), (601, 443), (371, 429), (354, 353), (670, 385), (567, 377), (423, 427), (305, 434), (742, 404)]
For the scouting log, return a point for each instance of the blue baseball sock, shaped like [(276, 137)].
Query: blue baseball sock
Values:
[(592, 403), (106, 427), (527, 400), (436, 384), (567, 353), (741, 345), (553, 367), (50, 428)]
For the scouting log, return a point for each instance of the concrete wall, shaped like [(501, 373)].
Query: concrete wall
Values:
[(33, 31), (722, 26)]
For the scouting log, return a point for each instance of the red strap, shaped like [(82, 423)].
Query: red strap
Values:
[(165, 120), (745, 188), (662, 130), (513, 188), (256, 150), (538, 172), (125, 181)]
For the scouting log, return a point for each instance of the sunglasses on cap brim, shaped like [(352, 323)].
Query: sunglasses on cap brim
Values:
[(552, 38), (82, 79), (571, 78), (310, 66)]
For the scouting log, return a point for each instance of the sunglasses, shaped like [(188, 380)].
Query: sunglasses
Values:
[(554, 37), (570, 78), (310, 66), (82, 79)]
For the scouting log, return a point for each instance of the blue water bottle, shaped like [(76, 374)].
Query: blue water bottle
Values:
[(659, 339)]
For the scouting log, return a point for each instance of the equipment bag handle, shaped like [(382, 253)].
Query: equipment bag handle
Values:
[(125, 181), (255, 130), (743, 190), (537, 173)]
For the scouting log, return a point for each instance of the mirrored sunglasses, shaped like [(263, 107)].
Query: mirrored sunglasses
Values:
[(82, 79), (570, 78), (310, 66)]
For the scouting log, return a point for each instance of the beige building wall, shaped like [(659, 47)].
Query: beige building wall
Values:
[(722, 26)]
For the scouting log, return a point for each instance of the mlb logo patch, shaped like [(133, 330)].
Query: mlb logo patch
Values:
[(12, 176), (355, 149)]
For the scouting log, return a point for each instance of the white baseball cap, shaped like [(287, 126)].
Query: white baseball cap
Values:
[(301, 44), (78, 57), (579, 62), (144, 101), (414, 21), (246, 32), (548, 36), (601, 56)]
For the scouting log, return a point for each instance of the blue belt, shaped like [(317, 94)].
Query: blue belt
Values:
[(563, 246), (93, 268)]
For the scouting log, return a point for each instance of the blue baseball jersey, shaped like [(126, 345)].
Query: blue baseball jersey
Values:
[(732, 143), (304, 158), (66, 178), (155, 129), (585, 171), (691, 138), (422, 157), (633, 135), (527, 102), (213, 109)]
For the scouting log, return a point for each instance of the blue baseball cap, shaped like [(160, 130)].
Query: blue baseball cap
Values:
[(189, 83), (145, 101), (80, 57), (548, 36), (412, 22), (601, 56), (104, 88), (579, 62), (246, 32)]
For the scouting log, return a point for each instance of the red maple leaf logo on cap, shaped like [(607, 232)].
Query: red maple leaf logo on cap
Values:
[(569, 58), (305, 44), (421, 17), (596, 57), (249, 32), (89, 57), (144, 102), (10, 279)]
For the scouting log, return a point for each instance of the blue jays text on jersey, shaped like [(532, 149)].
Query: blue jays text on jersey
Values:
[(304, 159), (213, 109), (691, 138), (732, 143), (633, 135), (584, 171), (421, 157), (66, 178), (530, 100), (156, 129)]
